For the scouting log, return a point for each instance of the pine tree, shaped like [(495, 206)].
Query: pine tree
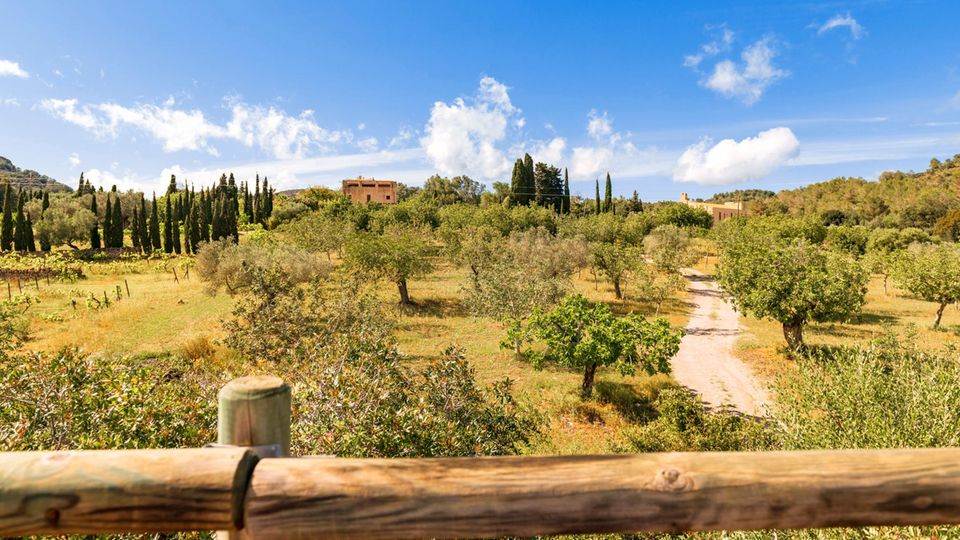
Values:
[(155, 225), (598, 194), (95, 230), (168, 228), (608, 196), (31, 245), (565, 204), (117, 224), (6, 226), (108, 224)]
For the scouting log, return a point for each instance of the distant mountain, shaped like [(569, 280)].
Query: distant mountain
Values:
[(24, 178)]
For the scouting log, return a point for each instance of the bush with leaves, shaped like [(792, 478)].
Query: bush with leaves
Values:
[(888, 393), (613, 261), (318, 233), (932, 273), (222, 264), (72, 401), (582, 336), (682, 424)]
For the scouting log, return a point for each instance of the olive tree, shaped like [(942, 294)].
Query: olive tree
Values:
[(931, 272), (792, 282), (884, 246), (400, 253), (66, 222), (317, 232), (670, 248), (583, 336), (614, 260)]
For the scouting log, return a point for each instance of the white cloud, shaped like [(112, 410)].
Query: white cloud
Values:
[(462, 137), (272, 130), (749, 80), (369, 144), (550, 151), (12, 102), (599, 126), (721, 43), (9, 68), (841, 21), (402, 136), (74, 159), (731, 161), (106, 179), (589, 161)]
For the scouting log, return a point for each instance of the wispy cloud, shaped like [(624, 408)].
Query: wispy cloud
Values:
[(842, 21), (268, 128), (746, 80), (9, 68)]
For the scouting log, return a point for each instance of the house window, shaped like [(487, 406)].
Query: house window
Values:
[(368, 197), (388, 197)]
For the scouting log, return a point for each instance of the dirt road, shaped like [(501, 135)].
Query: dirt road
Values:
[(705, 363)]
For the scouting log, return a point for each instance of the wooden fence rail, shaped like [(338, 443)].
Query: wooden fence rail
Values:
[(231, 489)]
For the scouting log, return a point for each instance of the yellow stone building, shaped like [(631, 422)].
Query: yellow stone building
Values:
[(719, 211)]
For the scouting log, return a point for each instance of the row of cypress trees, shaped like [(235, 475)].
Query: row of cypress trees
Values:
[(189, 217), (16, 226)]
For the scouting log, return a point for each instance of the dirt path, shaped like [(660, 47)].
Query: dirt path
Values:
[(705, 363)]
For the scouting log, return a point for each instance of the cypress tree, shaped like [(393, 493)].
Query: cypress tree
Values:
[(155, 225), (6, 226), (80, 188), (20, 233), (205, 217), (565, 202), (257, 204), (31, 245), (597, 181), (108, 224), (196, 221), (144, 231), (168, 229), (172, 186), (267, 201), (529, 182), (135, 229), (176, 236), (45, 204), (516, 184), (95, 230), (117, 223), (608, 196)]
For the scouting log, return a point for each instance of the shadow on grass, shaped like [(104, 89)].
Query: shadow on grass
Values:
[(634, 402), (446, 307), (876, 318)]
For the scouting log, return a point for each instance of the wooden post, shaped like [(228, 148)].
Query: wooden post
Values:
[(175, 278), (19, 286), (255, 411), (127, 285), (9, 292)]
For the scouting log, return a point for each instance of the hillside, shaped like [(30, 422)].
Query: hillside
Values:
[(896, 199), (25, 178)]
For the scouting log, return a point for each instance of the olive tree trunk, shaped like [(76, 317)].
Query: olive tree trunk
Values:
[(404, 295), (943, 306), (616, 289), (586, 389), (793, 333)]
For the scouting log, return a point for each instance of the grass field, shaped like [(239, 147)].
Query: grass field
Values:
[(161, 316), (762, 343)]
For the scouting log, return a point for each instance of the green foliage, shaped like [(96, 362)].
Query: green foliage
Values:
[(399, 254), (681, 215), (71, 401), (683, 424), (885, 394), (445, 191), (583, 336), (318, 233), (948, 227), (225, 265), (790, 281), (849, 239), (670, 248), (930, 272), (613, 261), (66, 222)]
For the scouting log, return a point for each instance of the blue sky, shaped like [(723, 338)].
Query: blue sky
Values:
[(668, 97)]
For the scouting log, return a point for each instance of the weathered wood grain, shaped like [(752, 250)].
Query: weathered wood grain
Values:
[(105, 491), (525, 496), (255, 411)]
